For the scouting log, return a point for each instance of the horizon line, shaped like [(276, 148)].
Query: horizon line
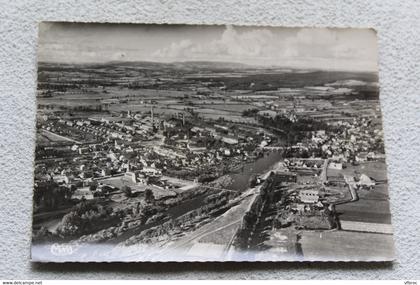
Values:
[(209, 61)]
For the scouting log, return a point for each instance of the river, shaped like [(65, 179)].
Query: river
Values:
[(240, 179)]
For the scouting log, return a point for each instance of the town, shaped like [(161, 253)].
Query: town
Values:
[(210, 161)]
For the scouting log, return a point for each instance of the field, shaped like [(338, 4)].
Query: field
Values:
[(281, 245), (238, 108), (374, 169), (68, 101), (373, 205), (344, 245), (221, 236), (370, 207)]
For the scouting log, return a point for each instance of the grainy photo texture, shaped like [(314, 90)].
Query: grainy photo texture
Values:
[(208, 143)]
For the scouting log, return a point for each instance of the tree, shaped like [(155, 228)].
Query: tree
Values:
[(71, 224), (127, 191), (253, 181), (41, 234), (250, 112), (84, 218), (71, 191), (93, 186), (50, 195), (149, 197)]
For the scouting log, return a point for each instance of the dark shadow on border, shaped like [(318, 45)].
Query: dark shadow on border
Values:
[(217, 267)]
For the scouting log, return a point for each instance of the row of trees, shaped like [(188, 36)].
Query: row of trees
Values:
[(213, 205), (253, 217), (86, 217), (80, 108), (250, 112), (149, 197)]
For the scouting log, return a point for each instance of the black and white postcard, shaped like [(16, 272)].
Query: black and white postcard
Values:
[(208, 143)]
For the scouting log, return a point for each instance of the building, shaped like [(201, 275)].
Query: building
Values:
[(227, 152), (197, 130), (151, 171), (196, 148), (309, 196), (362, 156), (286, 176), (335, 165), (84, 150), (230, 140), (268, 113), (365, 182), (131, 176)]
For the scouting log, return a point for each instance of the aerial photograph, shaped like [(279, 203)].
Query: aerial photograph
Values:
[(208, 143)]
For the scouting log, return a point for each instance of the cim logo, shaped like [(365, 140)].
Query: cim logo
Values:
[(62, 249)]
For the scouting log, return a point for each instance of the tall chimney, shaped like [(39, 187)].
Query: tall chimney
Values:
[(151, 115)]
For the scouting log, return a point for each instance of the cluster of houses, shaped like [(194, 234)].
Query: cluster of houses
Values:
[(115, 151), (100, 128), (358, 142)]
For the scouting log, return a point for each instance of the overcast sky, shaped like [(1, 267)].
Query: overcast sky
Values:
[(344, 49)]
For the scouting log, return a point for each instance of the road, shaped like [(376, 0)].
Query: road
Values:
[(61, 137), (323, 176), (349, 180)]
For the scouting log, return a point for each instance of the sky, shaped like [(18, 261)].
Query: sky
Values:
[(319, 48)]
